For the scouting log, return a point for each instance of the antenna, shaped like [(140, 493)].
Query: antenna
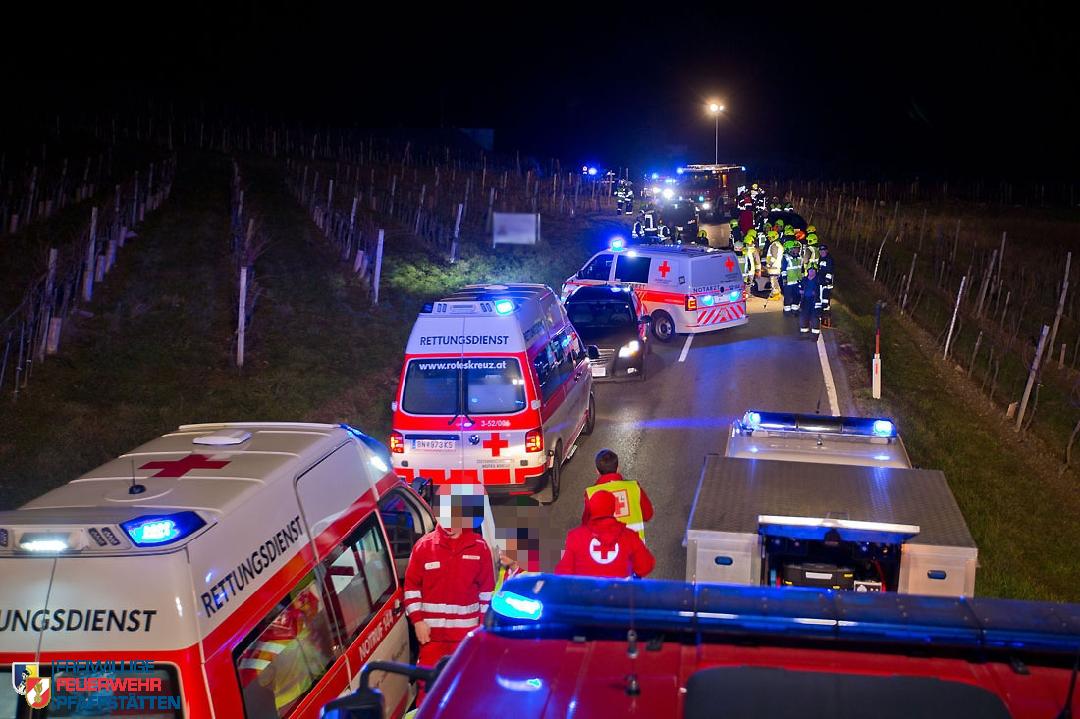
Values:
[(135, 487)]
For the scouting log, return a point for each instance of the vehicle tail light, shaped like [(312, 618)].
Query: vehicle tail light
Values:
[(397, 443), (691, 303), (534, 440)]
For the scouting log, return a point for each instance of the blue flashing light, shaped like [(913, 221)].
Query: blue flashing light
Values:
[(707, 300), (882, 457), (734, 295), (752, 420), (701, 198), (504, 307), (515, 606), (744, 168), (617, 244), (592, 172), (884, 428), (656, 176), (680, 171), (164, 529)]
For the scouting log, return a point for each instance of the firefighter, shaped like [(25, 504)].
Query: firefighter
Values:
[(624, 198), (635, 508), (603, 546), (751, 262), (751, 237), (791, 273), (774, 262), (450, 576), (737, 233), (788, 207), (663, 233), (810, 250), (827, 270), (810, 302)]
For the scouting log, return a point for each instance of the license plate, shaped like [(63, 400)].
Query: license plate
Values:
[(599, 371), (437, 445)]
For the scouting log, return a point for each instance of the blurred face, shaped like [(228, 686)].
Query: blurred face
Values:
[(459, 511)]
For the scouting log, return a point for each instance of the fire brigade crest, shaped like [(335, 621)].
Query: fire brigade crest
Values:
[(38, 692), (601, 555)]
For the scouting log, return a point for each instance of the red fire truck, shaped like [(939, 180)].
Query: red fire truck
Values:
[(581, 647)]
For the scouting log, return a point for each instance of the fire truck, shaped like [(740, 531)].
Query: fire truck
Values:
[(574, 646), (712, 188)]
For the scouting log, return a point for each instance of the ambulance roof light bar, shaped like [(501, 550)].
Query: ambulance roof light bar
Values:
[(617, 244), (158, 530), (754, 421)]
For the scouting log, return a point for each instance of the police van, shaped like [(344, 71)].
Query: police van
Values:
[(257, 565), (682, 289), (496, 389)]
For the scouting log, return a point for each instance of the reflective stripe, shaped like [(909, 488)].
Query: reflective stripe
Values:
[(410, 608), (436, 608), (485, 596), (256, 664), (412, 594), (636, 526), (452, 623)]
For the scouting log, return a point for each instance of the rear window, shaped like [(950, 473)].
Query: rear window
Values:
[(600, 313), (463, 386), (98, 703), (714, 270)]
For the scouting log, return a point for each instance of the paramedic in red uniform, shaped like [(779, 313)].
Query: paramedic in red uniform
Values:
[(450, 577), (604, 546)]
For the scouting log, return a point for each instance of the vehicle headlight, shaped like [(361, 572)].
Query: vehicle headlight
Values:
[(630, 349), (706, 205), (668, 193)]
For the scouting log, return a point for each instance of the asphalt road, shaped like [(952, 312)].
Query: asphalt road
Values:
[(662, 428)]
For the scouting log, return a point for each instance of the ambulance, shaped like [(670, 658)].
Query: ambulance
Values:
[(495, 388), (684, 290), (257, 565)]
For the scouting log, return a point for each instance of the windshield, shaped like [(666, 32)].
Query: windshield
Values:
[(491, 386), (153, 694), (600, 313), (700, 181)]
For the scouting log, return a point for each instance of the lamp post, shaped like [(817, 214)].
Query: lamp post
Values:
[(716, 108)]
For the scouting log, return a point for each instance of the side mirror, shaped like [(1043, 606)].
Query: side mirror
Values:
[(424, 487), (594, 352), (645, 319)]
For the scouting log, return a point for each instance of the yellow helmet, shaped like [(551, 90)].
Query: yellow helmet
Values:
[(810, 229)]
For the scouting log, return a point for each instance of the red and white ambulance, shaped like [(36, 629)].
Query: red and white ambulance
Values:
[(684, 290), (495, 388), (257, 565)]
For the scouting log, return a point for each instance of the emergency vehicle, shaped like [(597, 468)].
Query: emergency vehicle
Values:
[(496, 389), (682, 289), (257, 565), (556, 646), (712, 188), (806, 500)]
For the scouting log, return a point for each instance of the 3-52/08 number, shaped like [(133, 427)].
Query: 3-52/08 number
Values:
[(494, 423)]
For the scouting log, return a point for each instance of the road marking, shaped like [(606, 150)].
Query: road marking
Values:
[(830, 386), (686, 348)]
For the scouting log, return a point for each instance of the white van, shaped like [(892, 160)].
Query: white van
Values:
[(495, 389), (682, 289), (257, 565)]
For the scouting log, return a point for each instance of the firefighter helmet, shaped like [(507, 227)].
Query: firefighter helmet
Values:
[(810, 229), (789, 231), (811, 238), (774, 235)]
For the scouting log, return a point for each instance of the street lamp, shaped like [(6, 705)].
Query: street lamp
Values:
[(716, 108)]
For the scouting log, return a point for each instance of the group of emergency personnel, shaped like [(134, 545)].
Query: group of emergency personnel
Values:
[(450, 580), (786, 261)]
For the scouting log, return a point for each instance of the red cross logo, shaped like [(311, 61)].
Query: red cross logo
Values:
[(495, 444), (729, 264), (664, 268), (601, 555), (180, 467)]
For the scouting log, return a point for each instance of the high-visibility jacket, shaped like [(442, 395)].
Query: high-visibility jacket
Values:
[(631, 499), (449, 582), (792, 269), (775, 255), (809, 255), (505, 574)]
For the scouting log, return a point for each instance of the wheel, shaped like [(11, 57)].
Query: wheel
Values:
[(663, 327), (550, 492), (590, 418)]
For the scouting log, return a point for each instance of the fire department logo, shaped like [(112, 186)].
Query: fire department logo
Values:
[(38, 692), (601, 555), (21, 673)]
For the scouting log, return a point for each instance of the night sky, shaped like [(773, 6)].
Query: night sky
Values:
[(872, 92)]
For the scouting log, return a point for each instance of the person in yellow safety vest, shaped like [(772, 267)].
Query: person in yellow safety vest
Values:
[(774, 259), (792, 274), (518, 552), (750, 259), (634, 507), (751, 237), (810, 251)]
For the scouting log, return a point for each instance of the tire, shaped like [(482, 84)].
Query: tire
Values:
[(550, 492), (590, 421), (663, 327)]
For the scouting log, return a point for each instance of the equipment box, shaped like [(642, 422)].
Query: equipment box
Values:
[(774, 522)]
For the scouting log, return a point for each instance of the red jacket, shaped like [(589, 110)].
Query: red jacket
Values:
[(605, 548), (646, 505), (448, 583)]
